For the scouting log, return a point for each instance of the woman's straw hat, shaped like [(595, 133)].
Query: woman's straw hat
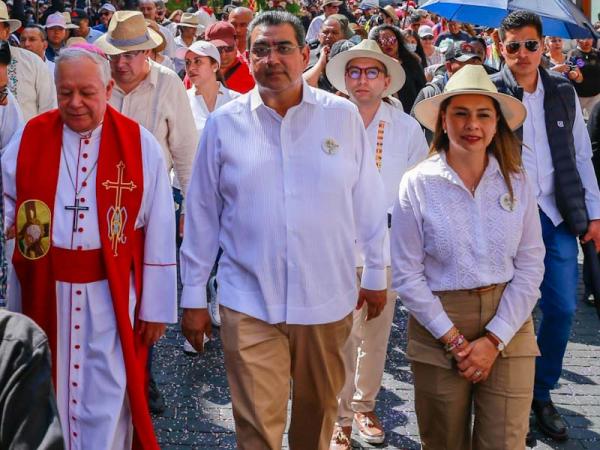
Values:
[(471, 79)]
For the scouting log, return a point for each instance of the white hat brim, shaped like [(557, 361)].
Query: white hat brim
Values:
[(13, 24), (336, 69), (103, 44), (189, 25), (427, 110)]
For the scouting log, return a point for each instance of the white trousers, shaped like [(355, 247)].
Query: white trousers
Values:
[(364, 359)]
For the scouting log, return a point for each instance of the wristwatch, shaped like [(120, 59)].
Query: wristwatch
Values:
[(494, 340)]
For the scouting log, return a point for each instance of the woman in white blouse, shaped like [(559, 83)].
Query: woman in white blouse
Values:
[(202, 62), (467, 262)]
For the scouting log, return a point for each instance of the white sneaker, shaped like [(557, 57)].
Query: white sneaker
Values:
[(213, 302), (189, 350)]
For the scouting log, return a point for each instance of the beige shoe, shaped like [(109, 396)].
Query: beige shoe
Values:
[(341, 438), (370, 429)]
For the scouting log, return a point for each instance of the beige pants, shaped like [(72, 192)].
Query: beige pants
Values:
[(364, 358), (587, 104), (261, 359), (444, 401)]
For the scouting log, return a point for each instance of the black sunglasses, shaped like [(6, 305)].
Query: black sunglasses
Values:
[(513, 47)]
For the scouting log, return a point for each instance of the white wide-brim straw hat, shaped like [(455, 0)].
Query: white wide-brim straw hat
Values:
[(200, 48), (13, 24), (189, 20), (127, 32), (471, 79), (367, 48)]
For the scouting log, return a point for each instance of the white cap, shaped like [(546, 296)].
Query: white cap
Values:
[(425, 30), (200, 48), (108, 7), (56, 20)]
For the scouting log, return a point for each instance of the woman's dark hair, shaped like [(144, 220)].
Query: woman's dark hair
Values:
[(4, 53), (505, 146), (419, 52), (404, 54)]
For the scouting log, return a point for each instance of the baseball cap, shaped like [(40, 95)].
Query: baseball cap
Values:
[(425, 30), (461, 51), (56, 20), (77, 15), (220, 34), (200, 48), (108, 7)]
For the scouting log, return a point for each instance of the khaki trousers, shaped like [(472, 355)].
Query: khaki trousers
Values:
[(444, 401), (364, 358), (260, 360)]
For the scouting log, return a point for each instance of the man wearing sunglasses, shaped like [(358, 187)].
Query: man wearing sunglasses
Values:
[(234, 68), (557, 158), (396, 143), (105, 14), (284, 183)]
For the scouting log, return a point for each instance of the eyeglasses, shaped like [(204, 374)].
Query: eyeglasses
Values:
[(127, 56), (370, 72), (513, 47), (226, 49), (262, 51), (3, 93), (392, 40)]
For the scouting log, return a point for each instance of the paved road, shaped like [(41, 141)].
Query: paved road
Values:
[(199, 414)]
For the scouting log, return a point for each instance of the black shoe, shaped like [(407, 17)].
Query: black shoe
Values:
[(549, 420), (155, 399), (530, 440)]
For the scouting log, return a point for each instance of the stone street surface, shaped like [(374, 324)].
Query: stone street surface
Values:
[(199, 415)]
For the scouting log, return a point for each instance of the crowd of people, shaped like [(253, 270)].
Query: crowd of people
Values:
[(312, 169)]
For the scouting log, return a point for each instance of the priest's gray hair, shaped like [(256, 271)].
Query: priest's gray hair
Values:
[(71, 54)]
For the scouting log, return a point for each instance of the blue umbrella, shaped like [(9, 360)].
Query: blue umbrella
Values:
[(559, 17)]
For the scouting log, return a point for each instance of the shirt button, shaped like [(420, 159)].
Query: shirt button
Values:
[(78, 292), (74, 433), (77, 347), (76, 366), (84, 169), (86, 142), (77, 327), (73, 418), (74, 384), (84, 184), (78, 309), (85, 155), (80, 230), (81, 216), (82, 200), (74, 401)]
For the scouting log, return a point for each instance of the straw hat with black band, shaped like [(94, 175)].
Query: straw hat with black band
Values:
[(367, 48), (127, 32), (13, 24), (471, 79)]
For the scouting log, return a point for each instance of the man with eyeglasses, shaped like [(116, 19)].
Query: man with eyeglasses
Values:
[(105, 14), (29, 80), (285, 183), (557, 158), (234, 69), (329, 7), (396, 143)]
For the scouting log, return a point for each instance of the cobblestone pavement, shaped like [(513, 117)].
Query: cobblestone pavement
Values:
[(199, 413)]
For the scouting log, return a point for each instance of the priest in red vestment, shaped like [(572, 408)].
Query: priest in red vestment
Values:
[(89, 199)]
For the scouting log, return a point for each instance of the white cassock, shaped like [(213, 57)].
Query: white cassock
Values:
[(91, 380)]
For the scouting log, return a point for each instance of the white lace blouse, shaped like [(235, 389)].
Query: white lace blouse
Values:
[(443, 238)]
